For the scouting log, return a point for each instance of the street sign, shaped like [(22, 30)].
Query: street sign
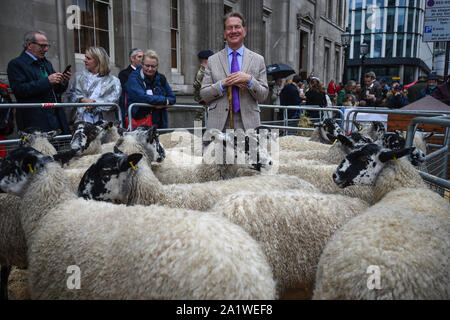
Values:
[(436, 26)]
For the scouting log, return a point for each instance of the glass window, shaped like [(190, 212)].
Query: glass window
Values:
[(356, 47), (411, 3), (402, 3), (358, 4), (410, 20), (408, 45), (399, 45), (414, 54), (94, 28), (401, 20), (408, 74), (380, 3), (416, 29), (358, 21), (389, 44), (377, 47), (391, 3), (390, 20), (174, 33)]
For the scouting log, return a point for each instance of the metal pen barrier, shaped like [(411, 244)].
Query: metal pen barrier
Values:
[(60, 141), (348, 125), (175, 106), (439, 179), (286, 120)]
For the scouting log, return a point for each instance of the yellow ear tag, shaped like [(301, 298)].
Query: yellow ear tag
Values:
[(24, 138), (109, 128), (132, 165), (395, 159), (33, 171), (360, 128), (335, 141)]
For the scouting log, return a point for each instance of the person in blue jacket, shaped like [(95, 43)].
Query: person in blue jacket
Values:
[(33, 80), (147, 85)]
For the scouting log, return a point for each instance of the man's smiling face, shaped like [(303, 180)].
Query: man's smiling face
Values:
[(234, 32)]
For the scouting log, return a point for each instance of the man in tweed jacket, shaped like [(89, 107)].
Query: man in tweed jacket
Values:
[(251, 80)]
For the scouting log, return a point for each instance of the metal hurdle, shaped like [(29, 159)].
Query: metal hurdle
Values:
[(60, 142)]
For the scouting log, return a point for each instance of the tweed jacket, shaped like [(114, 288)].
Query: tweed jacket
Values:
[(218, 69)]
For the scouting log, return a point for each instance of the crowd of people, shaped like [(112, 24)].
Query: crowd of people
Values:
[(372, 93)]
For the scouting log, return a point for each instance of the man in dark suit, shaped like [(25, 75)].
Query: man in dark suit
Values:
[(136, 56), (33, 80)]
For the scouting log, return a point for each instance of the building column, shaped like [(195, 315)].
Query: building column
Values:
[(253, 13), (212, 16)]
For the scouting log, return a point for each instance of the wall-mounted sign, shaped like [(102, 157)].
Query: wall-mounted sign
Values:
[(436, 26)]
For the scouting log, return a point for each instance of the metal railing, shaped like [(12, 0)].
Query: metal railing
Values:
[(176, 106)]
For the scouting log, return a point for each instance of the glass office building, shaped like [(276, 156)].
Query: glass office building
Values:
[(393, 30)]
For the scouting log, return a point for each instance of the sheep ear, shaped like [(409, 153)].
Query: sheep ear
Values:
[(345, 141), (131, 162), (428, 135), (29, 164), (53, 134), (397, 154), (64, 156)]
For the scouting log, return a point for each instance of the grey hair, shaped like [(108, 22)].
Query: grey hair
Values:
[(30, 36), (134, 52)]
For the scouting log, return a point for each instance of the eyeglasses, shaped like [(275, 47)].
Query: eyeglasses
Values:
[(42, 45), (149, 66)]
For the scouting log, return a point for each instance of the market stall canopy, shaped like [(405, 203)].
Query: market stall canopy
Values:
[(427, 103)]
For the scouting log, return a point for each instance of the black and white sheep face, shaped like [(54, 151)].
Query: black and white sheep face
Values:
[(29, 136), (329, 130), (392, 140), (353, 141), (104, 180), (362, 166), (18, 168), (110, 128), (247, 149), (83, 134), (378, 129), (148, 138)]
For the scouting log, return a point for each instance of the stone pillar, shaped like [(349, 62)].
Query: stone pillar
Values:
[(212, 16), (253, 13)]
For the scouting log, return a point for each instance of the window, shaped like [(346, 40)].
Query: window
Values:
[(358, 4), (340, 11), (401, 20), (326, 64), (408, 45), (377, 46), (330, 9), (95, 29), (390, 20), (410, 19), (389, 45), (408, 74), (174, 34), (399, 45), (358, 22), (357, 47)]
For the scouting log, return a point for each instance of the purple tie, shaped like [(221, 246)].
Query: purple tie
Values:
[(235, 90)]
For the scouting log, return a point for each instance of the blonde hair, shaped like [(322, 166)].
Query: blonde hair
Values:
[(151, 55), (101, 57)]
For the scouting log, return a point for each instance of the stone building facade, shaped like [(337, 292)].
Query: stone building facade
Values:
[(304, 34)]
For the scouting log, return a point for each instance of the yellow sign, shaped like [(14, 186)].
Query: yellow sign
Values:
[(395, 78)]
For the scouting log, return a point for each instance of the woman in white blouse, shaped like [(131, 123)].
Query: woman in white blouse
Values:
[(95, 84)]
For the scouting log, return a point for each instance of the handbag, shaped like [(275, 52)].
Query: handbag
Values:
[(146, 121)]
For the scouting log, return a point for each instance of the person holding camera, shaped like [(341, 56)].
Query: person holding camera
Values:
[(398, 99), (371, 95), (33, 80)]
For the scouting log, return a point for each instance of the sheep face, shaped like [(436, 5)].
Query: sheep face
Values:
[(105, 178), (392, 140), (83, 134), (361, 167), (329, 130), (148, 138), (354, 140), (238, 148), (378, 129), (29, 136), (18, 168), (108, 127)]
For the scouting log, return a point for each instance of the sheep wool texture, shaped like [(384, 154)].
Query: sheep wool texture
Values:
[(174, 139), (406, 235), (144, 188), (296, 143), (42, 145), (333, 155), (135, 252), (13, 246), (292, 228), (321, 176)]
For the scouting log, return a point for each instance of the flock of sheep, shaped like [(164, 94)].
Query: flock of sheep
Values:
[(305, 218)]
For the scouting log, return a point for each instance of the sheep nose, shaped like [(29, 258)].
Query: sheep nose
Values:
[(334, 177)]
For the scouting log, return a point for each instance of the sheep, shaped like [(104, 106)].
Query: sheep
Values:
[(374, 130), (142, 187), (326, 131), (334, 154), (36, 138), (13, 246), (112, 131), (214, 167), (86, 138), (404, 237), (182, 138), (292, 227), (127, 252)]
